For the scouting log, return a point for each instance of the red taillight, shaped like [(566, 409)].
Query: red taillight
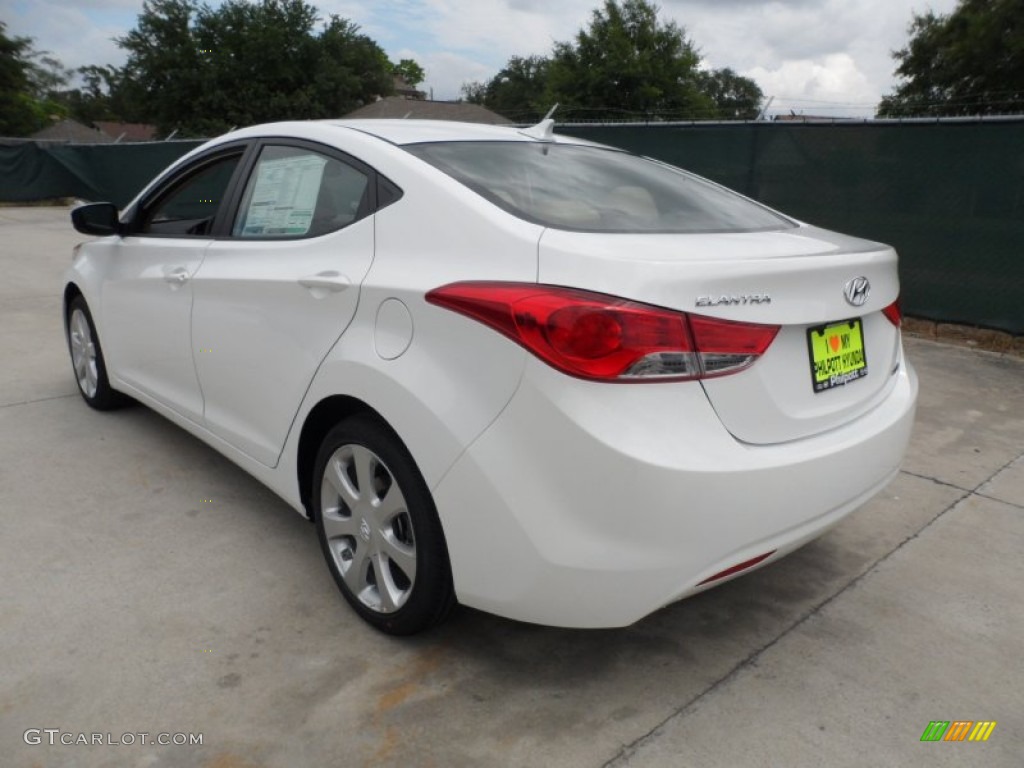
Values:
[(894, 313), (595, 336), (726, 347)]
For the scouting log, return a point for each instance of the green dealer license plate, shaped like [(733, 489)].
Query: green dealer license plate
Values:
[(837, 354)]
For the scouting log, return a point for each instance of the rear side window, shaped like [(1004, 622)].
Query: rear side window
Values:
[(295, 192), (592, 189)]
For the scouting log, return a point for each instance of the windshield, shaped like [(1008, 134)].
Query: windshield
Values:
[(592, 189)]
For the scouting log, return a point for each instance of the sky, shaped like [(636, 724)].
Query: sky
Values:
[(815, 57)]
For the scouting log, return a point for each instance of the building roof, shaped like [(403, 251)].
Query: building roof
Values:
[(72, 131), (127, 131), (397, 107), (406, 91)]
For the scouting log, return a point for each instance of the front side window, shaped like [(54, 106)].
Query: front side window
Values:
[(295, 192), (191, 205), (593, 189)]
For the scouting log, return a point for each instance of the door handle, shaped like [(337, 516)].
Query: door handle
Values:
[(177, 276), (325, 281)]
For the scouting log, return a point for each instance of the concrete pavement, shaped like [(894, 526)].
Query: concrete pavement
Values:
[(148, 585)]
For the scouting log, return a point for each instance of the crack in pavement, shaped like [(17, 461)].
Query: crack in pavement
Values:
[(628, 750), (997, 500), (942, 482), (38, 400)]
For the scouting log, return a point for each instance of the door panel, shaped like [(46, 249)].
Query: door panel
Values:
[(147, 296), (147, 305), (260, 331), (271, 302)]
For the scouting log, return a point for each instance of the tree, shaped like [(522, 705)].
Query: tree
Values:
[(518, 91), (735, 97), (17, 115), (968, 62), (202, 70), (628, 64), (164, 77), (409, 71), (101, 96), (474, 92), (29, 86), (46, 75)]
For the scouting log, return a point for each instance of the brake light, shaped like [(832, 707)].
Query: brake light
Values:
[(894, 313), (726, 347), (605, 338)]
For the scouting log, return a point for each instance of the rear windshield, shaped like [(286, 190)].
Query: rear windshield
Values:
[(592, 189)]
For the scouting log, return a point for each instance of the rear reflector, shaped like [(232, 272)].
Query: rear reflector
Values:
[(894, 313), (605, 338), (737, 568)]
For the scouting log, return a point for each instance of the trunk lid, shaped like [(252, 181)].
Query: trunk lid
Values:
[(793, 278)]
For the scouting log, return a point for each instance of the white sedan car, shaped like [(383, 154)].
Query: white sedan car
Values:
[(537, 376)]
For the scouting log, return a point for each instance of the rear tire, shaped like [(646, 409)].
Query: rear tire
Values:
[(87, 359), (379, 529)]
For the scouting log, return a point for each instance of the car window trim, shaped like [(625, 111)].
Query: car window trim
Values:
[(172, 178)]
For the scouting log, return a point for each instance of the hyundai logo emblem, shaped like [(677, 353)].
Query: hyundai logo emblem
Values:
[(857, 290)]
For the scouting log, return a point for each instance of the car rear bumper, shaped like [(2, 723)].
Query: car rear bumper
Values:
[(592, 505)]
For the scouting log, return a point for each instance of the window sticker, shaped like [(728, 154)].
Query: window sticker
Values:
[(284, 196)]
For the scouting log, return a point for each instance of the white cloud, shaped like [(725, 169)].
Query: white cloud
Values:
[(497, 29), (830, 86), (73, 34), (447, 72), (832, 50)]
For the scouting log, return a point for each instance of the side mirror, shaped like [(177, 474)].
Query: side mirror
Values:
[(96, 219)]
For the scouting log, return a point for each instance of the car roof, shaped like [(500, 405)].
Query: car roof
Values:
[(401, 132), (419, 131)]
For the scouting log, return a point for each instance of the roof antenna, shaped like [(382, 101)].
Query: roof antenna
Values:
[(545, 129)]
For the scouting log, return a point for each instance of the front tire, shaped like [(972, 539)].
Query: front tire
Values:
[(379, 529), (87, 359)]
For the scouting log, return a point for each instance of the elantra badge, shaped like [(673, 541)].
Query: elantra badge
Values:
[(733, 299), (856, 291)]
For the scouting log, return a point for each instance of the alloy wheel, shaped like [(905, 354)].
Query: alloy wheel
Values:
[(368, 530), (83, 353)]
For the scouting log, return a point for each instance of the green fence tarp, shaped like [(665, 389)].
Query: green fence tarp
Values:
[(112, 173), (948, 195)]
